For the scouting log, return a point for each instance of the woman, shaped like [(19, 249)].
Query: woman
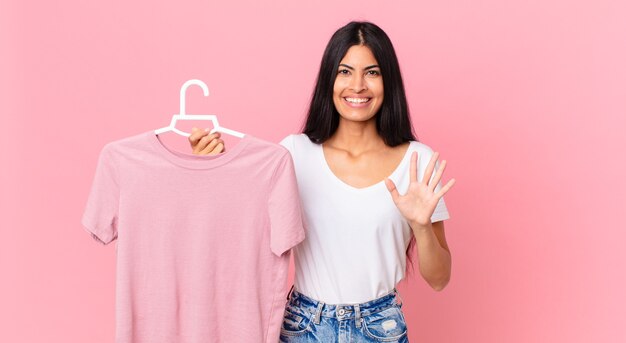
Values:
[(356, 157)]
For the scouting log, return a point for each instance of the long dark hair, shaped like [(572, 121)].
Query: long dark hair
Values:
[(392, 120)]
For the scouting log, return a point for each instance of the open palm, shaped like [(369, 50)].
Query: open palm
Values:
[(420, 200)]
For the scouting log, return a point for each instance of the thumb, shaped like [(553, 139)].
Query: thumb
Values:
[(391, 187)]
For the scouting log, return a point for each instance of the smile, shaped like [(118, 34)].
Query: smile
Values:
[(357, 100)]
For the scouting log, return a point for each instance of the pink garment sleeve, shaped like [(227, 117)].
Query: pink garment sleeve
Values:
[(101, 211), (284, 208)]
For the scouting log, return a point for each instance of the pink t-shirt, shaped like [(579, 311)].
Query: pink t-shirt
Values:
[(202, 241)]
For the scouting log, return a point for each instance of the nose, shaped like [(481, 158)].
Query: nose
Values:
[(357, 84)]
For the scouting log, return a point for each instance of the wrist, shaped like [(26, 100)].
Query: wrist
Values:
[(421, 225)]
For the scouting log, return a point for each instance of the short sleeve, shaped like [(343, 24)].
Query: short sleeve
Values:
[(101, 212), (287, 142), (284, 208), (441, 211)]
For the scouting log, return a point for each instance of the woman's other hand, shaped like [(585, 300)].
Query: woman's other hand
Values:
[(204, 143)]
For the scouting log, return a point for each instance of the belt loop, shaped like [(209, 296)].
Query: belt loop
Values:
[(398, 297), (318, 313), (357, 315), (289, 293)]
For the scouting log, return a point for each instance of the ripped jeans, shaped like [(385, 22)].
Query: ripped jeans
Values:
[(308, 320)]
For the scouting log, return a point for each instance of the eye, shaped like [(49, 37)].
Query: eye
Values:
[(343, 72), (373, 72)]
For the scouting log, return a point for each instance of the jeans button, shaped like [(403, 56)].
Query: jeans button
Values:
[(342, 312)]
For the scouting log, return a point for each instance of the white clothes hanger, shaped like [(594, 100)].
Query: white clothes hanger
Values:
[(184, 116)]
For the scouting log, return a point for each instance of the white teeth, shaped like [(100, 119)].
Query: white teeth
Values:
[(357, 100)]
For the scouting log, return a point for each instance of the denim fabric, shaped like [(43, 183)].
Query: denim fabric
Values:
[(308, 320)]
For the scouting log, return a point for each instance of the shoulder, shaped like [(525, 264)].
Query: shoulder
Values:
[(125, 146), (295, 139), (297, 143), (421, 149), (265, 149)]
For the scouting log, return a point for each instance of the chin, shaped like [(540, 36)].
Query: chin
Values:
[(358, 117)]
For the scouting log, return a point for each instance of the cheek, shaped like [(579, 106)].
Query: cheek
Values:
[(378, 88), (337, 95), (379, 93), (338, 87)]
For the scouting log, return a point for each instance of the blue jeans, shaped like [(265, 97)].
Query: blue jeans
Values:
[(309, 320)]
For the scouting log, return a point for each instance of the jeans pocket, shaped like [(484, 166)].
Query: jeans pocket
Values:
[(295, 321), (385, 326)]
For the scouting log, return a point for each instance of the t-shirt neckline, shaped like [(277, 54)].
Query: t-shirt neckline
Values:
[(377, 185), (191, 161)]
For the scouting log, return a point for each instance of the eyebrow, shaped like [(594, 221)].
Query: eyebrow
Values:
[(366, 68)]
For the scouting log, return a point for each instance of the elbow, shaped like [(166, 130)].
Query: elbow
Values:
[(439, 284), (439, 287), (438, 276)]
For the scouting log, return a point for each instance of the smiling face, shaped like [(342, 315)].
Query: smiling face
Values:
[(358, 90)]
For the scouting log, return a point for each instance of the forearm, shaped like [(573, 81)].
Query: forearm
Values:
[(434, 260)]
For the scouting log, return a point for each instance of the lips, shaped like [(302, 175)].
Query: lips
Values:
[(357, 100)]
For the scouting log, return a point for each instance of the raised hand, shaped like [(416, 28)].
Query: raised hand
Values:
[(420, 200)]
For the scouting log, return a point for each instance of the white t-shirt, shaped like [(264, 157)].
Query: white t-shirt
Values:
[(355, 248)]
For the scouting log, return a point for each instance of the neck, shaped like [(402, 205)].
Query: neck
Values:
[(355, 136)]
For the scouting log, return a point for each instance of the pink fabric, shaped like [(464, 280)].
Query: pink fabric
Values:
[(202, 241)]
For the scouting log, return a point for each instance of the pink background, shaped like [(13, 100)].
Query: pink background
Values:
[(525, 99)]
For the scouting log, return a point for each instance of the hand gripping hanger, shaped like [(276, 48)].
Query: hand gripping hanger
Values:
[(183, 116)]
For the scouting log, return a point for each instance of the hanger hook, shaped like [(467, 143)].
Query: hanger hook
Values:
[(183, 92)]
